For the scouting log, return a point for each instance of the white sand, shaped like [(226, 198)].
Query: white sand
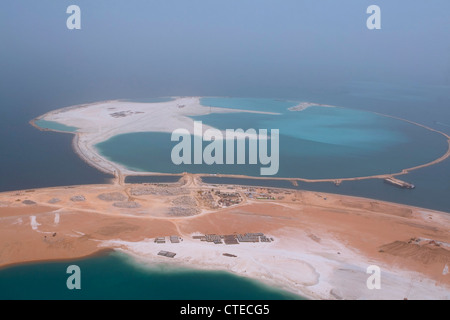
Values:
[(96, 123), (298, 265), (56, 220)]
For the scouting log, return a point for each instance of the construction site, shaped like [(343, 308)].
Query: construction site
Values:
[(234, 238)]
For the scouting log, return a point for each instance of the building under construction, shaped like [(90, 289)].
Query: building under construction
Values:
[(234, 238)]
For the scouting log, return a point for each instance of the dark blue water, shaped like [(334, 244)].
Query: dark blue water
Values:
[(116, 276), (31, 158), (152, 179)]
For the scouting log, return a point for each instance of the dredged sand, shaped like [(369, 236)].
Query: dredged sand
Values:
[(98, 122)]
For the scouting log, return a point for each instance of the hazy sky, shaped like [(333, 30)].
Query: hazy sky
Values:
[(212, 47), (313, 50)]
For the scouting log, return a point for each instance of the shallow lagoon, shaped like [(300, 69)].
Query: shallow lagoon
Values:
[(316, 143), (53, 125)]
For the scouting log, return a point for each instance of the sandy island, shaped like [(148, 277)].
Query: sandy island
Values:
[(98, 122), (322, 243)]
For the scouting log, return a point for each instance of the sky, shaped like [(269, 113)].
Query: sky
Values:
[(141, 48), (308, 50)]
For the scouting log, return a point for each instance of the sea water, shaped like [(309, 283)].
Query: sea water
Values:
[(56, 126), (118, 276)]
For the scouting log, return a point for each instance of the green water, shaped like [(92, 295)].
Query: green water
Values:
[(52, 125), (316, 143), (117, 276)]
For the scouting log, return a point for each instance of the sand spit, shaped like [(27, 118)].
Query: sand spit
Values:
[(97, 122), (322, 243), (100, 121)]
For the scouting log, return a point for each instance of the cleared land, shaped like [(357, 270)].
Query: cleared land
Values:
[(322, 244)]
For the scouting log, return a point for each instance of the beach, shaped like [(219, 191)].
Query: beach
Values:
[(322, 243)]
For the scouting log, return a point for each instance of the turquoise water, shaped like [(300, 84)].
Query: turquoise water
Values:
[(117, 276), (52, 125), (254, 104), (316, 143)]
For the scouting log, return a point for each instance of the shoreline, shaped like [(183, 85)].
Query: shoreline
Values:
[(142, 262), (150, 264), (323, 242), (101, 252), (177, 266), (87, 152)]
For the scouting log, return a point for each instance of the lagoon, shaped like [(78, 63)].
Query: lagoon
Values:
[(53, 125), (316, 143)]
